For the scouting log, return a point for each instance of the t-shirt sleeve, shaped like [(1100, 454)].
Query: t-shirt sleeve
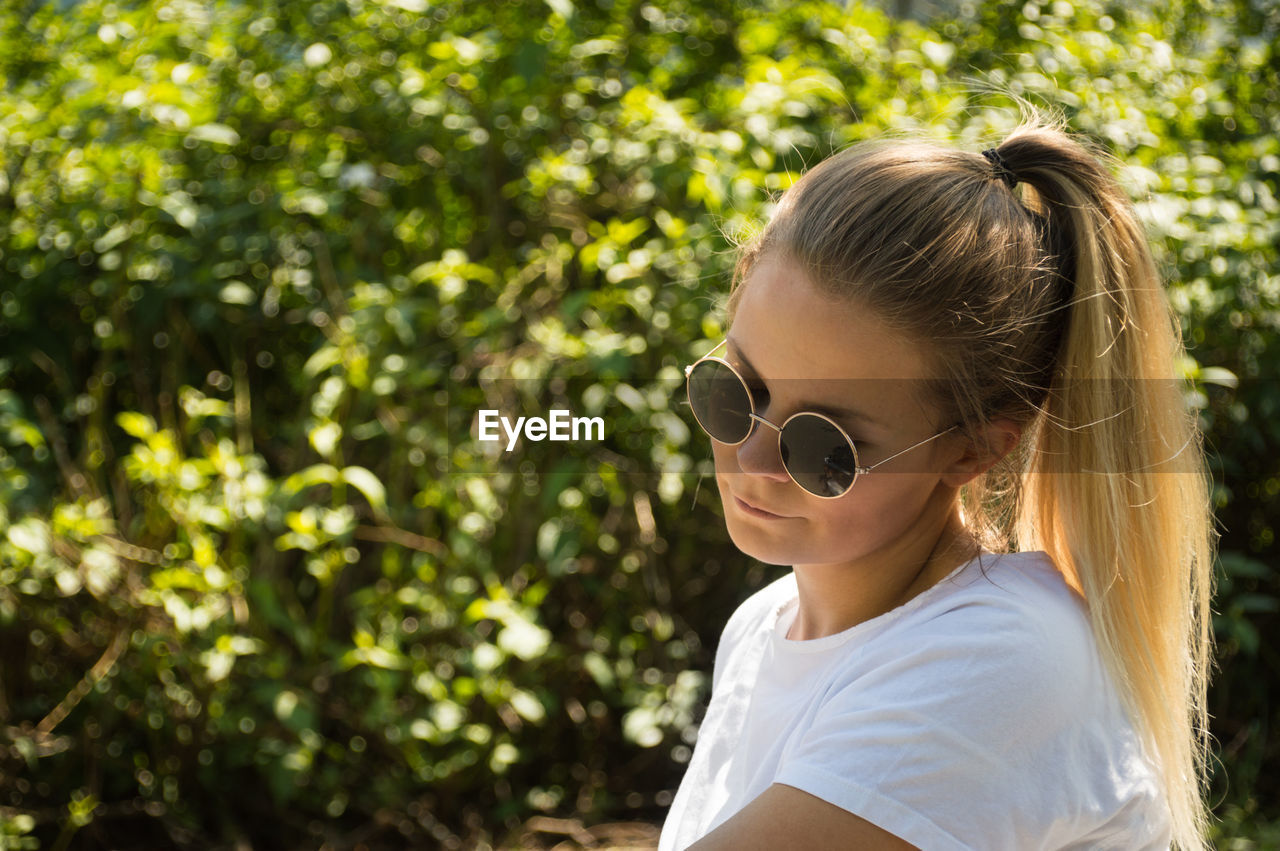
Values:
[(964, 732)]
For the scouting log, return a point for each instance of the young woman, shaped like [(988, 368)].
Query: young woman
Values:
[(948, 399)]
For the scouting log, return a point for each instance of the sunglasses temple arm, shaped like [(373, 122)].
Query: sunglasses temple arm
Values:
[(908, 449), (688, 369)]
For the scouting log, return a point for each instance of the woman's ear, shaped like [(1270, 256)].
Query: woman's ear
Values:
[(995, 440)]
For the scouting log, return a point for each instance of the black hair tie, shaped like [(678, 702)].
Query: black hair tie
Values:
[(998, 165)]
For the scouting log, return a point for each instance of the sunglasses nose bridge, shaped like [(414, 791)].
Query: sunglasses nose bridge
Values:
[(763, 421)]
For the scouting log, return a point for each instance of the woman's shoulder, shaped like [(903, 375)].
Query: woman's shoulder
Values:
[(1017, 573), (987, 597), (1020, 591), (1012, 623)]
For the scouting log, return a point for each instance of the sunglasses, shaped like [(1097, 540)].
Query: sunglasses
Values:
[(817, 453)]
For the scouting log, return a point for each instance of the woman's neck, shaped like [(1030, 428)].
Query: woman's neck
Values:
[(836, 597)]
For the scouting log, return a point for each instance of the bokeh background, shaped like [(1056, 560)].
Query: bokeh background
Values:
[(257, 588)]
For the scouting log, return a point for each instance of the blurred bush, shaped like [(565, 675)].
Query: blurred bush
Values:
[(256, 583)]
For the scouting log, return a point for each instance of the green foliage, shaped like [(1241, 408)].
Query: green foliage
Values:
[(261, 262)]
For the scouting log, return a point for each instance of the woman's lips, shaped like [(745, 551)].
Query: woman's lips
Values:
[(751, 511)]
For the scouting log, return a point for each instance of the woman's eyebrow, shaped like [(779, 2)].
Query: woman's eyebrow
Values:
[(834, 411)]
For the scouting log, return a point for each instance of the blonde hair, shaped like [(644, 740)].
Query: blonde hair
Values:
[(1043, 305)]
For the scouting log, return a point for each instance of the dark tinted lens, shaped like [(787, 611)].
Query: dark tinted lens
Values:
[(720, 401), (818, 456)]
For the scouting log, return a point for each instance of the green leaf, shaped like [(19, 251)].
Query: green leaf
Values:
[(323, 359), (219, 134), (136, 425), (368, 484), (317, 474)]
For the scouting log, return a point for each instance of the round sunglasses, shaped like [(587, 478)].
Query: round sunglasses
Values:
[(817, 453)]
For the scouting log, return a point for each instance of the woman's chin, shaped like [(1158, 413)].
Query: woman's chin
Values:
[(752, 542)]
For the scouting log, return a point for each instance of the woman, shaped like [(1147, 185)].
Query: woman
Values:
[(947, 398)]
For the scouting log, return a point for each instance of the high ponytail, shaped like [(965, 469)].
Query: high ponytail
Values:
[(1115, 492), (1028, 273)]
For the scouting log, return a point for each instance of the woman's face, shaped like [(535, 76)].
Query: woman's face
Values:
[(800, 351)]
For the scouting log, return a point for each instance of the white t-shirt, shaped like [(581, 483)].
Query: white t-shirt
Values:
[(978, 715)]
